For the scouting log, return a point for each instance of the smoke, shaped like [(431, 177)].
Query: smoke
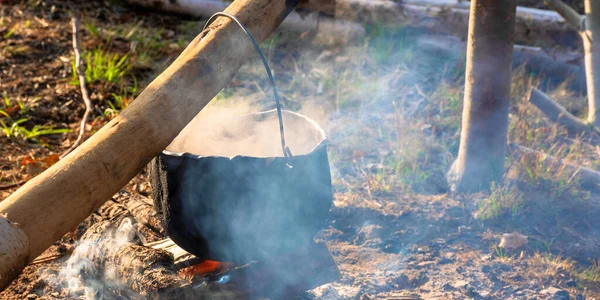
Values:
[(78, 268)]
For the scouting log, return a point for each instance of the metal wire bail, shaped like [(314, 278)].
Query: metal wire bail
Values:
[(284, 148)]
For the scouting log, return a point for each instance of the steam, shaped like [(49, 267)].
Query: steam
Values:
[(228, 131)]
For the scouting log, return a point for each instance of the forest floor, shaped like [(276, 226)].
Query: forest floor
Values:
[(392, 112)]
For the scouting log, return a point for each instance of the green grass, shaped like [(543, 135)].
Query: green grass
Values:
[(387, 43), (10, 33), (16, 129), (101, 65), (9, 105), (502, 254), (591, 273), (149, 44), (502, 199)]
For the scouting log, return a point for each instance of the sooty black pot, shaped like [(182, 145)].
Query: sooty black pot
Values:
[(233, 204)]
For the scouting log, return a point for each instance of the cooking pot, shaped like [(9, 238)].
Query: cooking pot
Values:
[(226, 202)]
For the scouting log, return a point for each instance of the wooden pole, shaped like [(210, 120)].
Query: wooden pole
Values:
[(57, 200)]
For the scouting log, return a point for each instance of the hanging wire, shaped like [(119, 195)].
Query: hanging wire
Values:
[(286, 149)]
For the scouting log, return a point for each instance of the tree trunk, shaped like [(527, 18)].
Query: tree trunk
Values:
[(592, 59), (54, 202), (480, 158)]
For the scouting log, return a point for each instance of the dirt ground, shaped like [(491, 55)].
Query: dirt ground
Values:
[(392, 114)]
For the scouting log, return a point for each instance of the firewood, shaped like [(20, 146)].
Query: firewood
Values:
[(54, 202), (283, 277), (286, 276), (139, 271), (14, 249), (145, 214)]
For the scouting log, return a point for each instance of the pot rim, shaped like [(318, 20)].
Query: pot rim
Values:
[(309, 120)]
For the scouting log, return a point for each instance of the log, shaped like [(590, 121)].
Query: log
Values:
[(553, 69), (446, 16), (588, 179), (282, 277), (54, 202), (558, 114), (294, 21), (14, 247), (133, 270), (145, 214)]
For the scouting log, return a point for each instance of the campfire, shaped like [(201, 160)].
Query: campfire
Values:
[(112, 260)]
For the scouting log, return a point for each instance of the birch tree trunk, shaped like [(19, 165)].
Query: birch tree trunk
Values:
[(484, 130), (591, 45)]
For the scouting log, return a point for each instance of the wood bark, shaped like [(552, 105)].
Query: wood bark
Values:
[(558, 114), (480, 158), (591, 47), (54, 202), (145, 214), (282, 277), (14, 251), (137, 271), (286, 276)]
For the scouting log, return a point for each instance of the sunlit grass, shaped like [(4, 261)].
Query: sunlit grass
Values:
[(502, 199), (101, 65)]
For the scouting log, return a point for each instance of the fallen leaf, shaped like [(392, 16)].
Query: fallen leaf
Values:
[(50, 160), (513, 240)]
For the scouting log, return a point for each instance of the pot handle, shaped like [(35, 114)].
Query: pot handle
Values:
[(284, 147)]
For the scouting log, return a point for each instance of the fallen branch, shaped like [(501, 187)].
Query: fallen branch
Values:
[(587, 28), (558, 114), (587, 178), (553, 69), (294, 21), (447, 16), (84, 92)]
